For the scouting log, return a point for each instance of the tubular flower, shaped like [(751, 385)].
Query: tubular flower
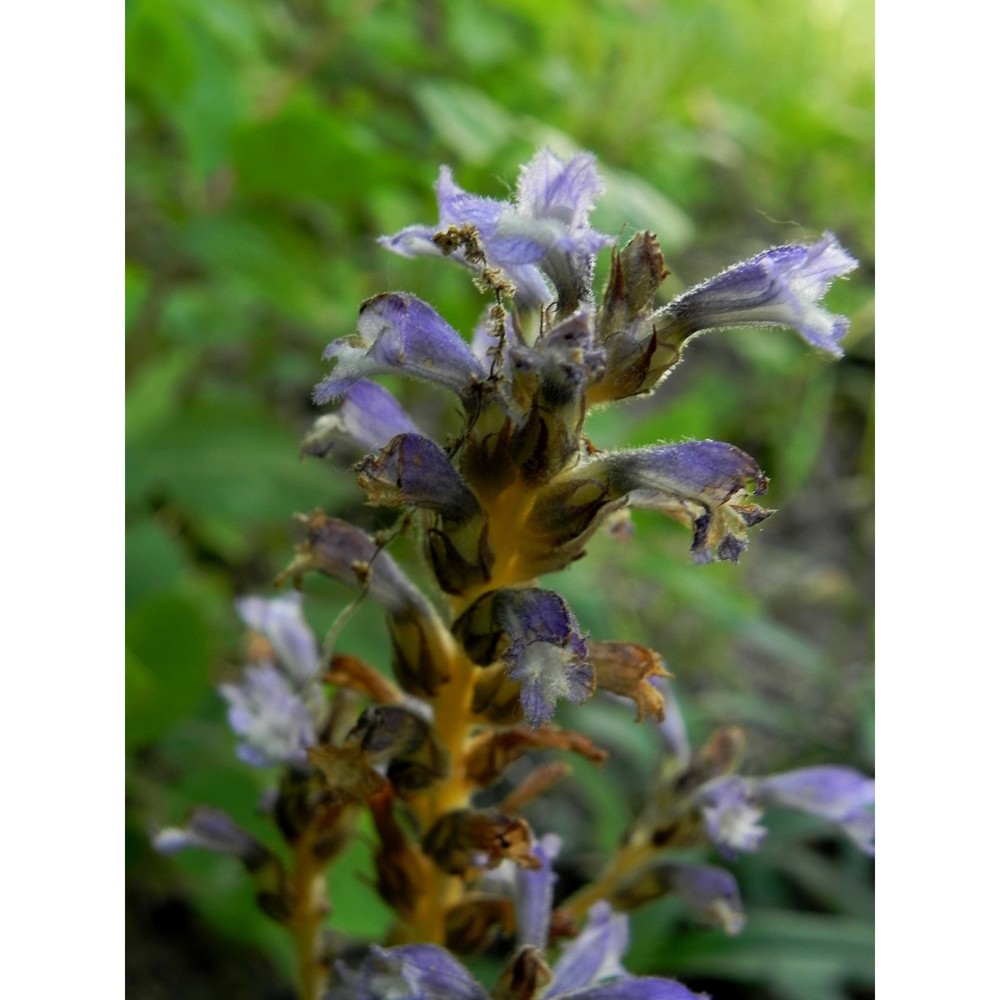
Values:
[(779, 287)]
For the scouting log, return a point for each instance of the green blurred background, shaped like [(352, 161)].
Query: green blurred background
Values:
[(269, 143)]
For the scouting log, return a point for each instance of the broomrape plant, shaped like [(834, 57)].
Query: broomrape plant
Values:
[(479, 669)]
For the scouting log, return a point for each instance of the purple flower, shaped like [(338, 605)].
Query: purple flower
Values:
[(705, 484), (838, 794), (547, 654), (399, 333), (544, 232), (731, 816), (409, 972), (368, 416), (709, 890), (634, 988), (672, 730), (590, 968), (281, 622), (533, 894), (779, 287), (593, 956), (732, 805), (413, 469), (269, 713), (212, 830)]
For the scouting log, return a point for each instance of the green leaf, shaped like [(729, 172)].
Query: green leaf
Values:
[(230, 463), (168, 651), (465, 120), (306, 151)]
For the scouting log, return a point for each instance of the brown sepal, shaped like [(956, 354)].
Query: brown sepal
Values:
[(460, 839), (403, 873), (353, 672), (472, 925), (624, 668), (490, 753), (538, 781), (347, 772), (525, 976)]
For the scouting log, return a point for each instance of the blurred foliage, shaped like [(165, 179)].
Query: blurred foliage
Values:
[(268, 144)]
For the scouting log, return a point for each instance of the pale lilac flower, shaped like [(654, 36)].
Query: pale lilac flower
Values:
[(840, 795), (343, 551), (590, 967), (731, 806), (547, 654), (269, 713), (281, 622), (409, 972), (533, 894), (712, 892), (779, 287), (634, 988), (731, 816), (672, 730), (367, 416), (400, 334), (212, 830), (545, 231), (593, 956)]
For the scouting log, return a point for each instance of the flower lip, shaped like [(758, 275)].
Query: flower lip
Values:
[(547, 654)]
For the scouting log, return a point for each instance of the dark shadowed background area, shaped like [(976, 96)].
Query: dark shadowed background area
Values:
[(269, 143)]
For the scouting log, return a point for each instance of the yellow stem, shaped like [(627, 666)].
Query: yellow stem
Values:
[(453, 717), (306, 923), (626, 861)]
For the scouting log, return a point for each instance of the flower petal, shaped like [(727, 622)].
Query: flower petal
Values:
[(281, 622), (711, 891), (368, 416), (672, 729), (409, 972), (636, 988), (545, 231), (731, 815), (271, 716), (400, 333), (212, 830), (350, 555), (549, 188), (533, 894), (594, 955), (547, 654), (779, 287), (705, 484), (838, 794)]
